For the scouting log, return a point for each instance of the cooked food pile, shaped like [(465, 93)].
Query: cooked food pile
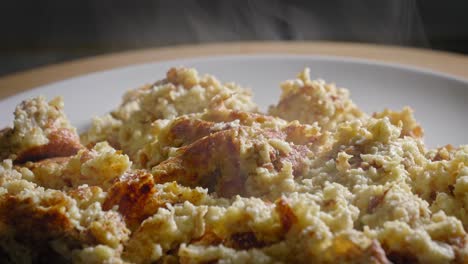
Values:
[(188, 170)]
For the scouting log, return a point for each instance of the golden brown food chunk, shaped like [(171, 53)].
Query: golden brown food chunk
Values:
[(403, 119), (183, 91), (138, 197), (99, 166), (47, 222), (41, 130), (310, 101), (223, 161)]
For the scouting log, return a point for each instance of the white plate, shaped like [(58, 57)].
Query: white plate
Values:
[(438, 99)]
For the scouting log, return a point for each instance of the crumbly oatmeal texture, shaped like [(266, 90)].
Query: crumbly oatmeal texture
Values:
[(188, 170)]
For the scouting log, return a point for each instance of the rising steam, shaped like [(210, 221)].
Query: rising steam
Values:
[(168, 22)]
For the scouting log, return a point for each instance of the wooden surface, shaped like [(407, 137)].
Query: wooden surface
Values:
[(451, 63)]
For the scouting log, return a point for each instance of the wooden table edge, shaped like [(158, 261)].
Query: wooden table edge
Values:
[(445, 62)]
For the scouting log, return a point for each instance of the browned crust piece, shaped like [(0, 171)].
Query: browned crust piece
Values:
[(214, 162), (62, 143)]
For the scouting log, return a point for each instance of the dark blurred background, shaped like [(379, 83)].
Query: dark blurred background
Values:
[(34, 33)]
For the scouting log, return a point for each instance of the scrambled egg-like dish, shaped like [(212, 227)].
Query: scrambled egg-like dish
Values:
[(188, 170)]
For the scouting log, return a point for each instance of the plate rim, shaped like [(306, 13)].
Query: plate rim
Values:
[(275, 56), (453, 64)]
